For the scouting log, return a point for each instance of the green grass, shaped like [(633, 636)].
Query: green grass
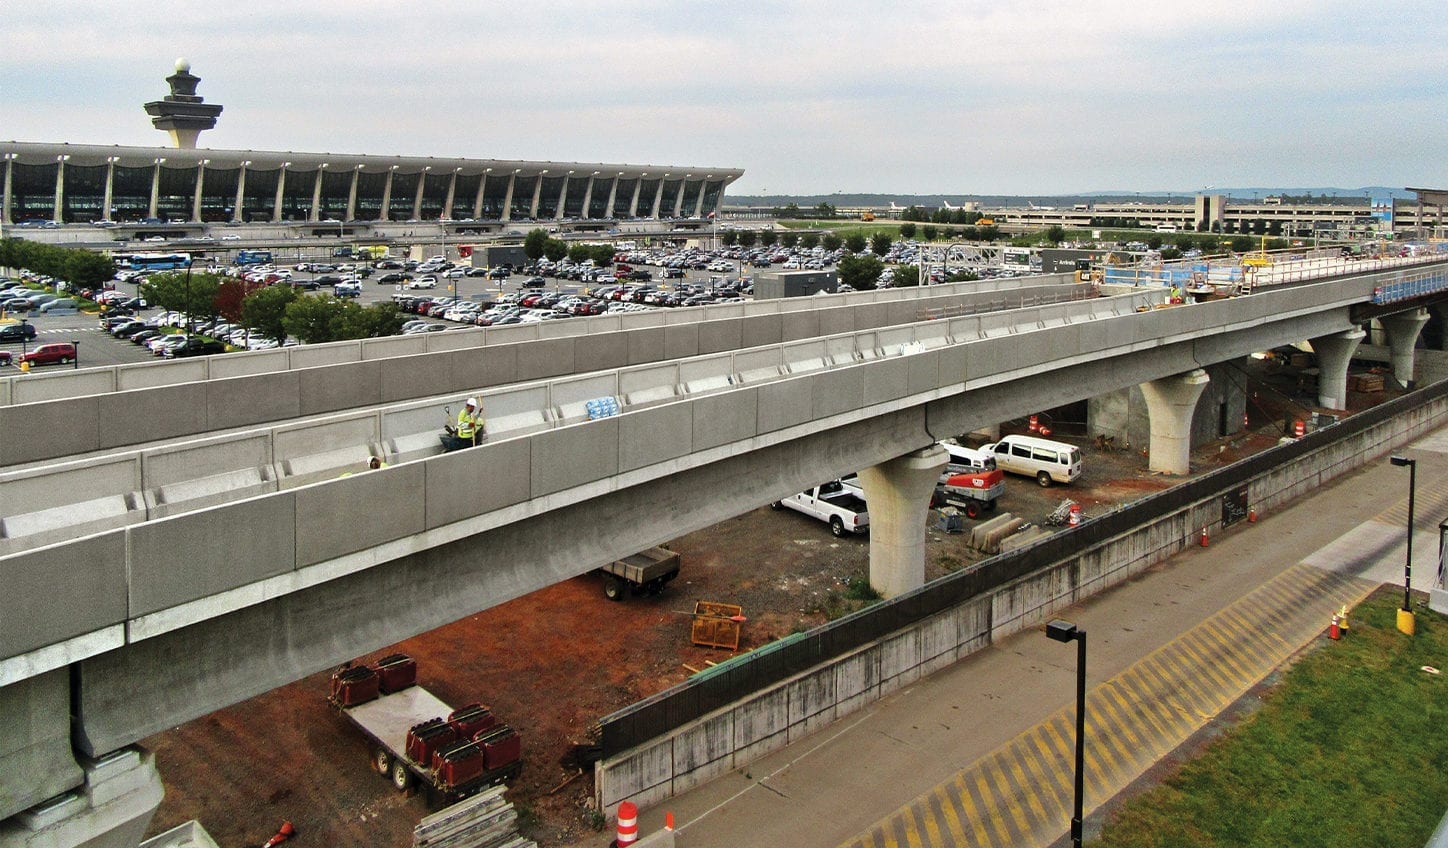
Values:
[(1349, 749)]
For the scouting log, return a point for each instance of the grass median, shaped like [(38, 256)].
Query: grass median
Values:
[(1350, 747)]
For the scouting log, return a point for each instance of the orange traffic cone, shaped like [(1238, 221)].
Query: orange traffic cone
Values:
[(1204, 537), (285, 832), (1333, 630), (1251, 516), (628, 824)]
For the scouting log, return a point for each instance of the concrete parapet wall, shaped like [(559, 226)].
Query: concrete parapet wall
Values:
[(694, 753)]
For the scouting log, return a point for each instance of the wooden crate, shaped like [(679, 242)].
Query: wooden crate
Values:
[(716, 625), (1366, 382)]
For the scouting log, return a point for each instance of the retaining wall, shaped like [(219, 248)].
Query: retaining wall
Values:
[(737, 734)]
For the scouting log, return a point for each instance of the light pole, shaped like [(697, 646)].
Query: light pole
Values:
[(1065, 631), (1405, 615)]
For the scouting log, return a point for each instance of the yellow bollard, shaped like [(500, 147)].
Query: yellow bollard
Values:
[(1405, 622), (1342, 618), (25, 366)]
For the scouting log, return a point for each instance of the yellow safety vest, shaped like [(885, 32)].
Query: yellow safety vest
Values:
[(467, 424)]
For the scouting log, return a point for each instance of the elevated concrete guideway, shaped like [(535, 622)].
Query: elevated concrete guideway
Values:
[(179, 615)]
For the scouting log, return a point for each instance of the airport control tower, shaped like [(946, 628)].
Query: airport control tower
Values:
[(182, 113)]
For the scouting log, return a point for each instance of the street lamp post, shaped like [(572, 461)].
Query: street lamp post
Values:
[(1065, 631), (1405, 615)]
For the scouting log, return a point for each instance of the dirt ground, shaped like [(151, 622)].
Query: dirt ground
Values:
[(287, 755)]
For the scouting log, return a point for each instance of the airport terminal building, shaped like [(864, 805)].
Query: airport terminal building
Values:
[(79, 184)]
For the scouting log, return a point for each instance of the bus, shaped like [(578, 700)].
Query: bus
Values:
[(159, 261), (253, 257)]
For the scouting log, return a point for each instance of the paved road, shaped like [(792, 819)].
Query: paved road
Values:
[(980, 754)]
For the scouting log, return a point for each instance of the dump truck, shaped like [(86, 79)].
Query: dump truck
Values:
[(416, 738), (643, 573)]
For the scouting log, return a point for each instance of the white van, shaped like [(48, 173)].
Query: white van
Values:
[(964, 460), (1043, 459)]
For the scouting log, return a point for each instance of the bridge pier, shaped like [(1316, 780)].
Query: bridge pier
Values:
[(1334, 352), (898, 492), (1403, 329), (1170, 404), (111, 809)]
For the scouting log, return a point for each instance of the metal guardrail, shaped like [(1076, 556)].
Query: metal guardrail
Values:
[(692, 699)]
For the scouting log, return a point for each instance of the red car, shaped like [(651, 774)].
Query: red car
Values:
[(54, 353)]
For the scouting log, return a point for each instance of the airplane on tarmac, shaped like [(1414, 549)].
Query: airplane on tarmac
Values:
[(946, 204), (1040, 208), (894, 208)]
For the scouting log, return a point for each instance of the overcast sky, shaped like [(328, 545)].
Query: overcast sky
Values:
[(954, 97)]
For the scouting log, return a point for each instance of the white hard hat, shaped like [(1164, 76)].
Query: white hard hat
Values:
[(472, 401)]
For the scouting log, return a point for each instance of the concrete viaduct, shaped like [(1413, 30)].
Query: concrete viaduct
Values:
[(178, 538)]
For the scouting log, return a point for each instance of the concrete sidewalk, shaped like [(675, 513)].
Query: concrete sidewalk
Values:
[(980, 753)]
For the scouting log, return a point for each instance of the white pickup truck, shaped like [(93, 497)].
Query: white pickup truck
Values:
[(840, 504)]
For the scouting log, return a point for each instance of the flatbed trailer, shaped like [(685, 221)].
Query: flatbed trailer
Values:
[(417, 739), (646, 572)]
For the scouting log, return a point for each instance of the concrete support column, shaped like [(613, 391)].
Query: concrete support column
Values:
[(352, 195), (122, 792), (1170, 403), (898, 493), (562, 197), (658, 198), (200, 183), (588, 194), (387, 194), (633, 206), (452, 188), (58, 213), (508, 198), (155, 189), (417, 198), (1334, 352), (316, 211), (9, 179), (281, 189), (612, 196), (537, 196), (110, 191), (699, 204), (240, 193), (1403, 329), (478, 198)]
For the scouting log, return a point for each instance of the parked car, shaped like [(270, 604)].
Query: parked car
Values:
[(194, 346), (17, 331), (51, 353)]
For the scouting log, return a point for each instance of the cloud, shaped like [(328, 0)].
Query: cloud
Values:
[(998, 97)]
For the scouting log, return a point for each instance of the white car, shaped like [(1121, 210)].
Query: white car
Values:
[(428, 282), (231, 237)]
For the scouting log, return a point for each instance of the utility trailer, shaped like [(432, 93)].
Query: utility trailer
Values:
[(416, 738), (646, 572)]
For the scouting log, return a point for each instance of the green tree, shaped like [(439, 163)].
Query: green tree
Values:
[(747, 238), (809, 240), (990, 233), (930, 231), (1153, 242), (729, 238), (907, 276), (88, 269), (907, 230), (962, 277), (1055, 234), (790, 211), (534, 243), (262, 310), (193, 293), (555, 249), (311, 318), (824, 210), (1241, 244), (859, 271), (768, 238), (577, 253), (855, 243), (831, 241), (367, 322), (880, 243), (789, 238)]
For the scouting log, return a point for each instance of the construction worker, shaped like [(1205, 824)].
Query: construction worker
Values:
[(375, 463), (470, 422)]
